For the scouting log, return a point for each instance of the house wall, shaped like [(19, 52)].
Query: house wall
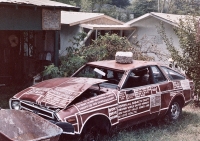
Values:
[(66, 34), (147, 34), (20, 18)]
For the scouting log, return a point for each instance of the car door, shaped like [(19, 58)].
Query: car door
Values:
[(140, 97), (181, 85)]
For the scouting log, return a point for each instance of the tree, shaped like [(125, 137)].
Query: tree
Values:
[(87, 5), (181, 7), (103, 6), (141, 7), (101, 3), (188, 56), (120, 3)]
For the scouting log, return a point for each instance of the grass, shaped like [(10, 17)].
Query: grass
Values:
[(187, 128)]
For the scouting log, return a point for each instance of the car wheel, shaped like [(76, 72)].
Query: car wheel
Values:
[(91, 134), (174, 111), (95, 129)]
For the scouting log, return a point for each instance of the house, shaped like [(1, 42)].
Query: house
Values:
[(146, 33), (29, 37), (92, 24)]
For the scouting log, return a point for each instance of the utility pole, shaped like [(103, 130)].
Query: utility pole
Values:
[(158, 5)]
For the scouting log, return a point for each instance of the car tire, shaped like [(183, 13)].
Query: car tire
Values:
[(95, 129), (174, 111), (91, 134)]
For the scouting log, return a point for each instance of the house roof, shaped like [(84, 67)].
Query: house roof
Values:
[(172, 19), (106, 27), (74, 18), (40, 3)]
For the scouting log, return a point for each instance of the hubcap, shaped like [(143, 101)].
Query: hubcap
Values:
[(175, 110)]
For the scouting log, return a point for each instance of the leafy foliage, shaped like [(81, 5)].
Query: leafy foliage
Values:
[(86, 5), (52, 71), (181, 7), (113, 8), (141, 7), (188, 56), (69, 63), (121, 3), (137, 7), (104, 48)]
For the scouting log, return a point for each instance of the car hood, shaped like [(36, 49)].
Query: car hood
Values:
[(58, 92)]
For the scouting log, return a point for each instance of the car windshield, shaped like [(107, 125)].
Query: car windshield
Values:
[(113, 76)]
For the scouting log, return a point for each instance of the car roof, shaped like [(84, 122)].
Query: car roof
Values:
[(112, 64)]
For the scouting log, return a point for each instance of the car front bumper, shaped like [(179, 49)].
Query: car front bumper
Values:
[(67, 127)]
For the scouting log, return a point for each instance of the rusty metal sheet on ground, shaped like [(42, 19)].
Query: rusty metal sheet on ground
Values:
[(24, 125)]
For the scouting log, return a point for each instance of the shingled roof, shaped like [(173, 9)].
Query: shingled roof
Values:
[(40, 3), (172, 19)]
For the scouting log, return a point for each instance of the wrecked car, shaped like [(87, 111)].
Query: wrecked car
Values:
[(104, 95)]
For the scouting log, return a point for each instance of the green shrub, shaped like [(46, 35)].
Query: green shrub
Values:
[(104, 48)]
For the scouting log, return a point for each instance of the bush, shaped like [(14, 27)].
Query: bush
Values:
[(104, 48)]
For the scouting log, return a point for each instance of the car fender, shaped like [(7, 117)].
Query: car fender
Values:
[(177, 96), (93, 116)]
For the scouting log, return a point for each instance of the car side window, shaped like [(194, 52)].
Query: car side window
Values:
[(137, 77), (157, 75), (173, 75)]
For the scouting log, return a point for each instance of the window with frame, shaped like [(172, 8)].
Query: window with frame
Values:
[(144, 76), (173, 75), (157, 75), (112, 76), (137, 77)]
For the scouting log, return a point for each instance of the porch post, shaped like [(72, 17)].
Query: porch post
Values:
[(121, 31), (96, 34), (56, 48)]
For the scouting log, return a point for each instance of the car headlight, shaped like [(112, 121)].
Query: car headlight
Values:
[(15, 105)]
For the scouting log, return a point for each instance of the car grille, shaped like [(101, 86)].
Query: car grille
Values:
[(45, 113)]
